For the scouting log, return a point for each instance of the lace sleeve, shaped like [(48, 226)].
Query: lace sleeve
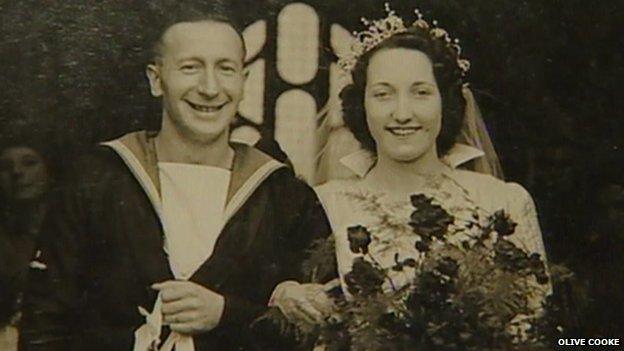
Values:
[(522, 210), (529, 237)]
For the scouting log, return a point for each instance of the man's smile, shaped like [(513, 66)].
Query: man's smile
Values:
[(206, 108)]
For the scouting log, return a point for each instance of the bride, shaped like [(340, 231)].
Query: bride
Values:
[(406, 107)]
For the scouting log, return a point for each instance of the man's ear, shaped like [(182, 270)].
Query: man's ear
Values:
[(152, 71)]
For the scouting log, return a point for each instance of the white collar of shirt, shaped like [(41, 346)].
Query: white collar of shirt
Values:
[(361, 161)]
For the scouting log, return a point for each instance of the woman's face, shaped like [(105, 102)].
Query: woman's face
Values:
[(403, 104), (23, 174)]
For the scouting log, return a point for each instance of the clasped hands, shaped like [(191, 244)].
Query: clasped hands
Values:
[(189, 308)]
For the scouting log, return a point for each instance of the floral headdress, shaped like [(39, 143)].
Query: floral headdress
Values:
[(382, 29)]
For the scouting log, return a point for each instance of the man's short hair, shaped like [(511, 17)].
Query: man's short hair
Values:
[(191, 11)]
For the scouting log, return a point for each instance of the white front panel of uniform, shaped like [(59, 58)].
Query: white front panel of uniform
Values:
[(193, 202)]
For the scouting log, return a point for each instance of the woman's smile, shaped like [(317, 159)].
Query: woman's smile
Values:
[(403, 131)]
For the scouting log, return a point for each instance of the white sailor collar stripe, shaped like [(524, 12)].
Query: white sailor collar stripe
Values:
[(148, 335)]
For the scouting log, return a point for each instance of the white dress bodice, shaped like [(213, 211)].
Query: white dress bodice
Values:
[(460, 192)]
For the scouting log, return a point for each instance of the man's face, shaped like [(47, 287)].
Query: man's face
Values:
[(200, 78)]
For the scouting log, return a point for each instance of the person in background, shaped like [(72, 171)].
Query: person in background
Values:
[(600, 263), (24, 183)]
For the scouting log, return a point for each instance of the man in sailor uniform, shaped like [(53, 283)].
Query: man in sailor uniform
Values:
[(176, 239)]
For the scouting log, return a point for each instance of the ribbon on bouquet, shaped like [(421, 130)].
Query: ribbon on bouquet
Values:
[(147, 336)]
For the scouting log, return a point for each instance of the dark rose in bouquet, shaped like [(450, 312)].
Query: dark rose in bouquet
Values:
[(479, 292), (470, 287)]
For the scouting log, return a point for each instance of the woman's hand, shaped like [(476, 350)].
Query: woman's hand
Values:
[(302, 302)]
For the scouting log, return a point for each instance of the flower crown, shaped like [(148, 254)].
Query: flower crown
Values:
[(382, 29)]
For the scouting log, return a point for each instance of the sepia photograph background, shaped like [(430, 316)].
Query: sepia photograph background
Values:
[(547, 76)]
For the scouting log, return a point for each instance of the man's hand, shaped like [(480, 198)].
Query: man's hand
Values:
[(189, 308)]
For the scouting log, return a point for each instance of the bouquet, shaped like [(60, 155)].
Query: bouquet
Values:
[(465, 285)]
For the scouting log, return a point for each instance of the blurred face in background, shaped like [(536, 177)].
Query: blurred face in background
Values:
[(611, 209), (23, 174)]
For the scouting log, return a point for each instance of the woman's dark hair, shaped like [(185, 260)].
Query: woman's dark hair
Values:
[(447, 73), (21, 131)]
